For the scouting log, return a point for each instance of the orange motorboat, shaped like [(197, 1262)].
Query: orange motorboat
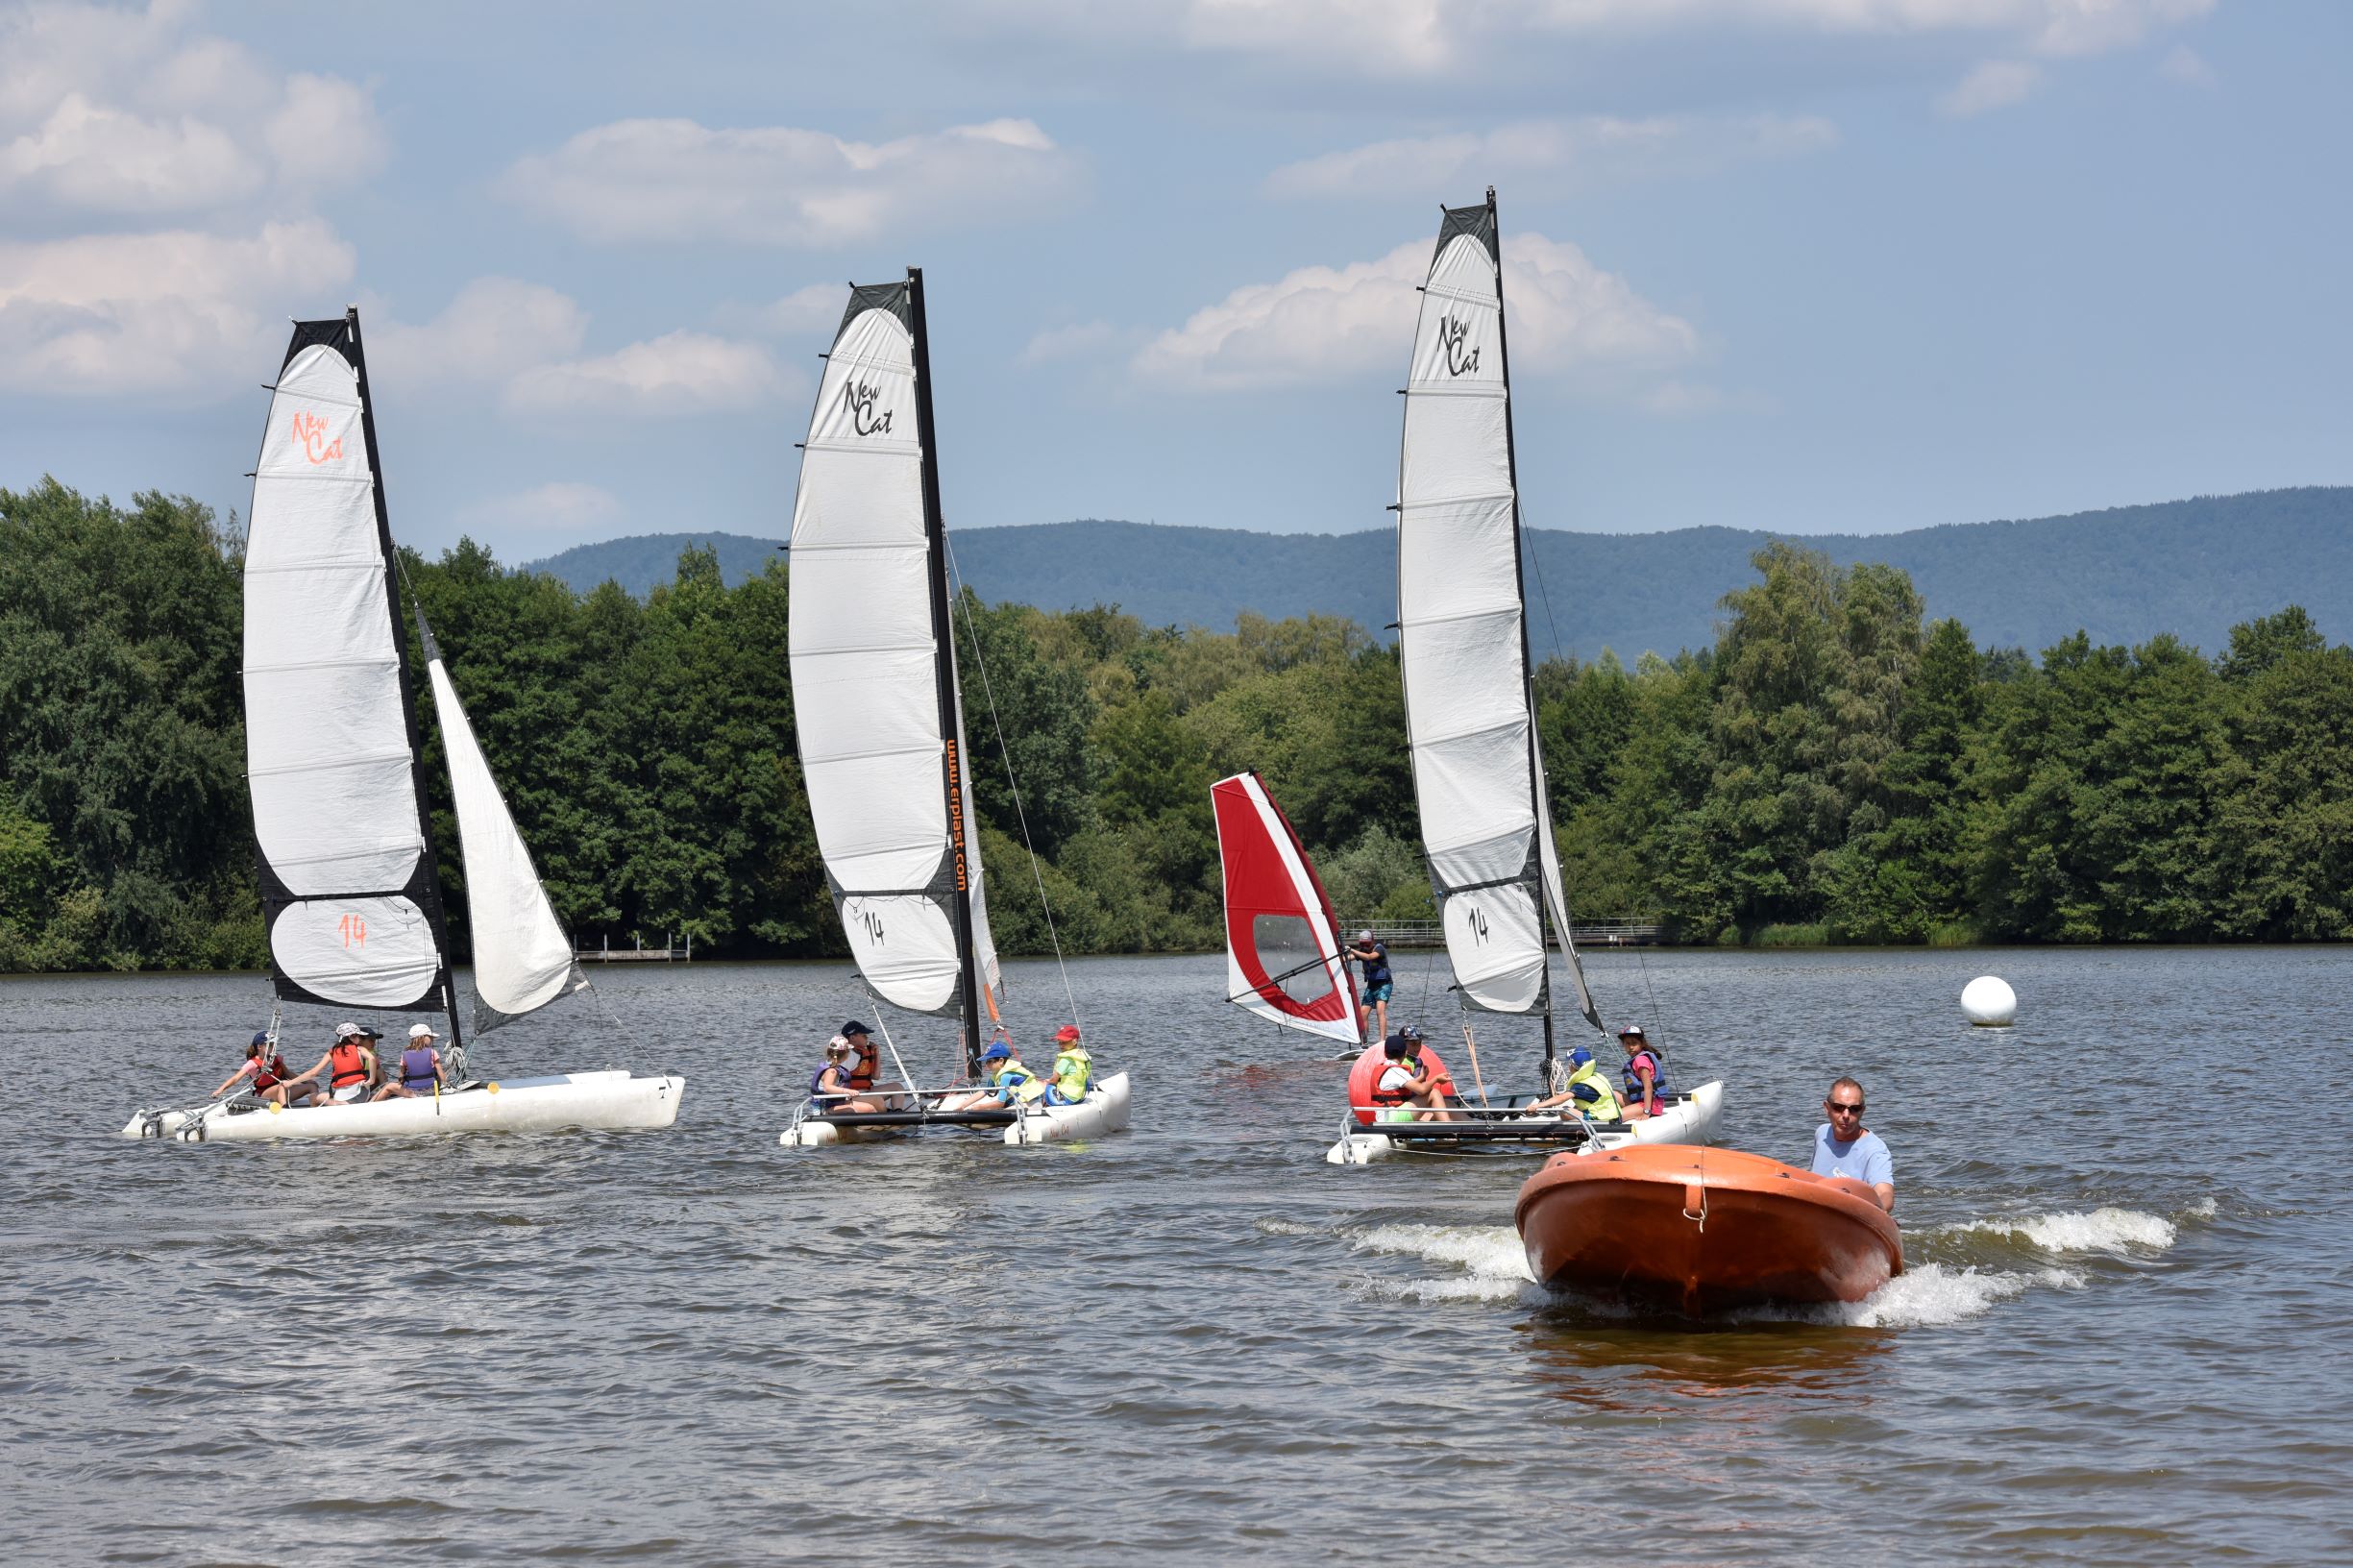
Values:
[(1704, 1228)]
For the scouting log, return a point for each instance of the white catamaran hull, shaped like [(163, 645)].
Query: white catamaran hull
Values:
[(609, 1099), (1103, 1110), (1691, 1120)]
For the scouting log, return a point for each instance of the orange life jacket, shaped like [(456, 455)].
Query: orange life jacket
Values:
[(344, 1067)]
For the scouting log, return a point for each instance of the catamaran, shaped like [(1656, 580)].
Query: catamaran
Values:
[(879, 710), (350, 890), (1283, 950), (1470, 721)]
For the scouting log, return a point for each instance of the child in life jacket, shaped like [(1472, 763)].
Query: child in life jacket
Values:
[(270, 1077), (1587, 1091), (1073, 1068)]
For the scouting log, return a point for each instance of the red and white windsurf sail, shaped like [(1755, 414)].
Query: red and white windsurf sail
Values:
[(1283, 952)]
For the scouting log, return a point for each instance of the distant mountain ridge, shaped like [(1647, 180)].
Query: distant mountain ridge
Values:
[(2193, 568)]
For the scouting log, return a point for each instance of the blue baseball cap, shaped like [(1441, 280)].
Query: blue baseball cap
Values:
[(996, 1053), (1578, 1057), (261, 1037)]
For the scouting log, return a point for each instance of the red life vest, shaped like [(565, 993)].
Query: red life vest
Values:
[(1364, 1081), (269, 1072), (862, 1071), (344, 1067)]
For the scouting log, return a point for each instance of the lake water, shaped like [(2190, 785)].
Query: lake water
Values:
[(2123, 1336)]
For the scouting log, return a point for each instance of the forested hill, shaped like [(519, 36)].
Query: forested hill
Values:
[(2193, 567)]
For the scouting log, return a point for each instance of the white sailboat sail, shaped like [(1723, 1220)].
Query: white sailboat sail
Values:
[(522, 958), (350, 892), (1477, 772), (875, 699)]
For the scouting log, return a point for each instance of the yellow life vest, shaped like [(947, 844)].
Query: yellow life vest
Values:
[(1604, 1108), (1027, 1086), (1072, 1069)]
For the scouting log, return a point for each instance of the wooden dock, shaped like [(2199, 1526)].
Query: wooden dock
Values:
[(607, 953)]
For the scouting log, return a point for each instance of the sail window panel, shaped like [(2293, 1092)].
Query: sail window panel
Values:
[(1495, 946), (1457, 561), (1455, 344), (522, 958), (1454, 448), (905, 947), (867, 399), (361, 952), (327, 620), (1460, 678), (349, 828), (881, 822), (1464, 267), (857, 601), (856, 498), (863, 706), (1476, 814)]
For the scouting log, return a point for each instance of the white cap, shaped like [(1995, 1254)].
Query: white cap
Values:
[(345, 1031), (1366, 935), (838, 1040), (421, 1031)]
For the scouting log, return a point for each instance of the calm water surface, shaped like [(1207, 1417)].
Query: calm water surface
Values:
[(2123, 1337)]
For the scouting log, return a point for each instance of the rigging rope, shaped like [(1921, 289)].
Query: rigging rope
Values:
[(1021, 814)]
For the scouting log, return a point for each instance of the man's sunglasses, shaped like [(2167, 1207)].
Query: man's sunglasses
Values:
[(1835, 1108)]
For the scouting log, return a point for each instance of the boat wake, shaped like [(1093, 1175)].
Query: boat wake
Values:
[(1490, 1264), (1963, 1269)]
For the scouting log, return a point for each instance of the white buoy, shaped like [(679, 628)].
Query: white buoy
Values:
[(1989, 1002)]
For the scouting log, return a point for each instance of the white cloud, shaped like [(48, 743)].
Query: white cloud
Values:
[(679, 373), (676, 182), (1996, 83), (1593, 146), (157, 312), (492, 329), (128, 114), (2187, 67), (559, 507), (1320, 323), (806, 310), (1081, 340), (1430, 38)]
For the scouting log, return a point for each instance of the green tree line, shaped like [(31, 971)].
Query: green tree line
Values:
[(1832, 769)]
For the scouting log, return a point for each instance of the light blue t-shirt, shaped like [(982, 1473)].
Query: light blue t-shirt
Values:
[(1864, 1160)]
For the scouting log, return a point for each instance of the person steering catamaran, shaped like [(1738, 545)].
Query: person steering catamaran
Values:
[(879, 713), (1471, 719), (351, 891)]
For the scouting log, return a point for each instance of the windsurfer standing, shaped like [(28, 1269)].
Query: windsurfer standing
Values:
[(1373, 956), (1843, 1146)]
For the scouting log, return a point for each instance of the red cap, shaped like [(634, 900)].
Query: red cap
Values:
[(1067, 1033)]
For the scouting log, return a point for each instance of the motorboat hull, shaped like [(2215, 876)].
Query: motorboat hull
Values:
[(605, 1099), (1689, 1120), (1703, 1229)]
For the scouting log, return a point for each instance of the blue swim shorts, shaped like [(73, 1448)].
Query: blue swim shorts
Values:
[(1377, 993)]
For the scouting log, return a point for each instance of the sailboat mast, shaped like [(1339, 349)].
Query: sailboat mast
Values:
[(445, 982), (1528, 675), (953, 764)]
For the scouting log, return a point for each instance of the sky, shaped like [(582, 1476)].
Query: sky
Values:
[(1806, 265)]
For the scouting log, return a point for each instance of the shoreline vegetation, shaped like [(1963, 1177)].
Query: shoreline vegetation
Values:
[(1833, 770)]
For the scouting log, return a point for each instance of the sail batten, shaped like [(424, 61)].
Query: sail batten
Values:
[(1462, 647), (877, 705)]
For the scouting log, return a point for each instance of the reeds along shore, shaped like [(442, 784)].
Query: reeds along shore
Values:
[(1835, 769)]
